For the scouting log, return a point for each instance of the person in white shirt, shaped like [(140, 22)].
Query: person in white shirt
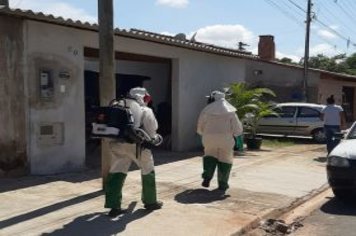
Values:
[(334, 121), (218, 124)]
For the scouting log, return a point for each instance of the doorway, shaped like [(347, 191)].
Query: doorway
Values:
[(348, 95), (124, 82)]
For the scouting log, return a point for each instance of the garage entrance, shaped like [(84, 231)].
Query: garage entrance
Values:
[(131, 71)]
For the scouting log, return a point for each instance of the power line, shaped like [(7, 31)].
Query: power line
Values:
[(349, 6), (348, 40), (282, 8), (286, 13), (292, 8), (353, 4), (299, 7), (334, 17), (342, 9)]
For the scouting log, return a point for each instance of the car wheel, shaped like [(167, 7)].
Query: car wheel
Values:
[(319, 135), (342, 194)]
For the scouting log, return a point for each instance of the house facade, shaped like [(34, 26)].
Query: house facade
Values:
[(287, 80), (49, 71), (49, 82)]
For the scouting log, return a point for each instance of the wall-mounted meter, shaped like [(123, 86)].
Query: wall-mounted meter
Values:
[(46, 84)]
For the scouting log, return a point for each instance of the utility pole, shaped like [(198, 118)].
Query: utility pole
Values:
[(107, 87), (306, 53)]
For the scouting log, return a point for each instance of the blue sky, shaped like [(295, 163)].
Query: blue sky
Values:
[(226, 22)]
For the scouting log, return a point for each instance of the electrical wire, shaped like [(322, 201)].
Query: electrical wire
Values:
[(297, 6)]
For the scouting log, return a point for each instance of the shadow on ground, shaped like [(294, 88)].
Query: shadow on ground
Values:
[(337, 207), (30, 181), (48, 209), (93, 170), (192, 196), (100, 224), (320, 159)]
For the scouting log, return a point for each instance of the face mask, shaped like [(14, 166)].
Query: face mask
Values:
[(147, 99)]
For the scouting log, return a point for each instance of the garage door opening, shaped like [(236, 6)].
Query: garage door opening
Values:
[(153, 74)]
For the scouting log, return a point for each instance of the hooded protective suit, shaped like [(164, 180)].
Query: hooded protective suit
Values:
[(218, 124), (122, 155)]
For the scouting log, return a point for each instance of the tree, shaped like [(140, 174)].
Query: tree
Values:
[(339, 63), (351, 64), (287, 60)]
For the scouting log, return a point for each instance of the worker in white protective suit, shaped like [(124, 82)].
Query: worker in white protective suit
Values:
[(218, 124), (123, 153)]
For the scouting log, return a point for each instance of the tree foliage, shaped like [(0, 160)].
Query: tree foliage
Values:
[(287, 60), (339, 63)]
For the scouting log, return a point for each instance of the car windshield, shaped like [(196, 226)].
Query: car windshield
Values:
[(352, 133)]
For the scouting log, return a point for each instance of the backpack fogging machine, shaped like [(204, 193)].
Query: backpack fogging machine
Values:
[(117, 122)]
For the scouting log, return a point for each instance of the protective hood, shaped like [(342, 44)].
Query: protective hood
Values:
[(217, 95), (346, 148), (219, 107), (138, 94)]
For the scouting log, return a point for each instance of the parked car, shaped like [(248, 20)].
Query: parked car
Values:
[(341, 166), (295, 119)]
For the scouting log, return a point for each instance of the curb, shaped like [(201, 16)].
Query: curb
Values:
[(277, 213)]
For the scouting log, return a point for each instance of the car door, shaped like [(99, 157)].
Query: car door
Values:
[(308, 119), (284, 123)]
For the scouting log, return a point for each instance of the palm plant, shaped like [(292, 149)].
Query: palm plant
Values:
[(251, 119), (251, 105)]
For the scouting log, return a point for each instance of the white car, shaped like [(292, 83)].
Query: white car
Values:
[(295, 119), (341, 166)]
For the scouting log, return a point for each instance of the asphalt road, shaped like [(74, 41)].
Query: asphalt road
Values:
[(333, 218)]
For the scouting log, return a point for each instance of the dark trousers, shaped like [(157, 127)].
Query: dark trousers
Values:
[(331, 141)]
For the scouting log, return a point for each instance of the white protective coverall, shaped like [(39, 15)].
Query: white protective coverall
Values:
[(218, 124), (122, 155)]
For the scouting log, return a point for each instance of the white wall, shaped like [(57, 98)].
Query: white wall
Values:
[(59, 49)]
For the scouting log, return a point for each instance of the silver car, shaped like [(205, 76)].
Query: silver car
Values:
[(295, 119)]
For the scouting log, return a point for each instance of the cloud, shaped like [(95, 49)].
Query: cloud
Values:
[(294, 58), (173, 3), (56, 8), (322, 48), (228, 36), (326, 34), (224, 35)]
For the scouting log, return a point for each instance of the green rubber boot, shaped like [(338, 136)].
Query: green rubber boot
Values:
[(149, 193), (113, 190), (209, 165), (223, 175)]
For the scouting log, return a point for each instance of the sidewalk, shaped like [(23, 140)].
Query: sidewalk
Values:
[(262, 182)]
